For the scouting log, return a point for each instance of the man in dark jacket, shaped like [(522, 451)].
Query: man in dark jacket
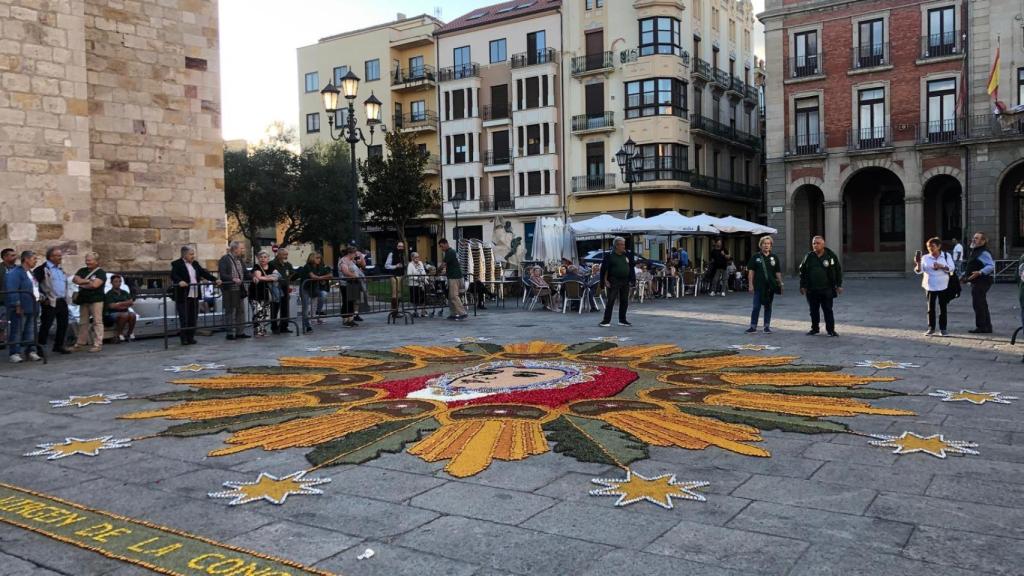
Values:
[(618, 273), (185, 276), (22, 302), (8, 257), (233, 274), (821, 280), (980, 270), (281, 310)]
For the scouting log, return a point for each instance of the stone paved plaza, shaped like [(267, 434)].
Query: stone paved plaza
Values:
[(821, 504)]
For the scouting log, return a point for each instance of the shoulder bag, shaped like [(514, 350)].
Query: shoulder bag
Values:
[(953, 288), (74, 297)]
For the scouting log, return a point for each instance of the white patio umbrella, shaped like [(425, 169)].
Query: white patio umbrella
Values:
[(732, 224), (603, 224), (634, 225), (706, 222), (569, 241), (540, 249), (674, 223)]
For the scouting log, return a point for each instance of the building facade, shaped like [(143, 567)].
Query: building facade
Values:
[(880, 131), (680, 81), (396, 63), (110, 130), (499, 95)]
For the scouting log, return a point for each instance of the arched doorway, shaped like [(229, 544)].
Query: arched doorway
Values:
[(874, 226), (1011, 210), (943, 216), (808, 215)]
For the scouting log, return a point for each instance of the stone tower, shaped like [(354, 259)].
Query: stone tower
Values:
[(110, 129)]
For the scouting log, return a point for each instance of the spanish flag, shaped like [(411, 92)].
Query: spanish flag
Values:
[(993, 77)]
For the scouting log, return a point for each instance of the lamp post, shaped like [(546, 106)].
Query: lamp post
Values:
[(456, 202), (630, 164), (351, 133)]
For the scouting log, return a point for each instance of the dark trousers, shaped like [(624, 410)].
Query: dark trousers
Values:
[(821, 301), (188, 318), (60, 314), (280, 310), (619, 290), (759, 302), (937, 299), (979, 299)]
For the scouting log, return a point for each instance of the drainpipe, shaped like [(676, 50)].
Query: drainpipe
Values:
[(561, 109), (965, 70)]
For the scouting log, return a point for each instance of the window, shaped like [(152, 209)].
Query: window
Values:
[(500, 148), (656, 96), (941, 32), (663, 162), (890, 211), (807, 123), (463, 64), (870, 47), (499, 51), (533, 140), (533, 92), (372, 70), (805, 61), (459, 143), (458, 104), (533, 183), (528, 232), (416, 68), (312, 82), (502, 192), (871, 116), (312, 122), (660, 36), (1020, 85), (714, 18), (595, 160), (499, 101), (591, 4), (732, 30), (536, 47), (460, 188), (418, 111), (941, 110), (339, 73), (341, 117)]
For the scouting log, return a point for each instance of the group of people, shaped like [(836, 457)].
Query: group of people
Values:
[(43, 290)]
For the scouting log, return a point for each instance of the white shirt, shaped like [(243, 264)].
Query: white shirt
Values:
[(935, 280), (193, 290), (958, 252)]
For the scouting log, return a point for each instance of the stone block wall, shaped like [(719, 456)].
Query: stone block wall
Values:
[(111, 112)]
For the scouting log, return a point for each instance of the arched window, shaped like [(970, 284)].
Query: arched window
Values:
[(890, 215)]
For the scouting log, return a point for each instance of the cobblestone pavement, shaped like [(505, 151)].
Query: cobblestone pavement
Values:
[(822, 504)]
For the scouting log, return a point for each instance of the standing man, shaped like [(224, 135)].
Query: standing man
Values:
[(618, 273), (8, 257), (185, 276), (979, 269), (53, 287), (719, 265), (453, 271), (233, 275), (91, 281), (281, 309), (821, 280), (958, 256), (22, 306)]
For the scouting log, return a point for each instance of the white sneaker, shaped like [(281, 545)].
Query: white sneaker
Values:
[(16, 359), (120, 338), (930, 332), (132, 336), (34, 357)]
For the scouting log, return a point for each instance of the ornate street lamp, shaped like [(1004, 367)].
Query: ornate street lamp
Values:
[(350, 133), (631, 164)]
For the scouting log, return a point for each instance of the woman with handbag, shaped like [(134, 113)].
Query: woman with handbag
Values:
[(764, 281), (935, 268), (262, 292)]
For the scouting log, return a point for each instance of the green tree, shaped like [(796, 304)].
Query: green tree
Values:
[(256, 186), (325, 192), (394, 191)]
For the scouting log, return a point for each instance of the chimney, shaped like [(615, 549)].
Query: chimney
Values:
[(400, 16)]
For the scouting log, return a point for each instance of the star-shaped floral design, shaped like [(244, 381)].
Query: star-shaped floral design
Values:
[(885, 364), (753, 347), (82, 446), (194, 367), (658, 490), (610, 338), (936, 445), (270, 488), (333, 348), (83, 401), (471, 339), (972, 396)]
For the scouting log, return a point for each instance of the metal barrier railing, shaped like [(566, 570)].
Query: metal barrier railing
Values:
[(206, 307)]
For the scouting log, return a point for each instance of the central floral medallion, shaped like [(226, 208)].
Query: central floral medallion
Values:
[(474, 403)]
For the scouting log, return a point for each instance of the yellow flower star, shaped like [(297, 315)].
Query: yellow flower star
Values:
[(270, 488), (885, 364), (972, 396), (658, 490), (83, 446), (194, 367), (753, 347), (83, 401), (936, 445)]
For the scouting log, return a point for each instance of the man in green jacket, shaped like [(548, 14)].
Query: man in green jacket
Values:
[(618, 274), (452, 270), (821, 280)]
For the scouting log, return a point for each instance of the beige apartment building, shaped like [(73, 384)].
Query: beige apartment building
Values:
[(396, 63), (499, 93), (678, 79)]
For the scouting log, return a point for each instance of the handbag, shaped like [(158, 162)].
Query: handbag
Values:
[(74, 297), (953, 289), (775, 288)]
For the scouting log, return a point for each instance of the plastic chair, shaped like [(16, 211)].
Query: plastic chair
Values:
[(572, 291)]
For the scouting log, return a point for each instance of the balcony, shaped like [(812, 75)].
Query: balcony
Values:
[(416, 121), (590, 123), (593, 183), (497, 205), (524, 59), (634, 54), (941, 45), (727, 187), (994, 127), (948, 131), (702, 70), (459, 72), (869, 56), (806, 66), (872, 138), (736, 88), (417, 77), (497, 157), (807, 144), (715, 128), (592, 64), (751, 95), (492, 112), (433, 165), (721, 78)]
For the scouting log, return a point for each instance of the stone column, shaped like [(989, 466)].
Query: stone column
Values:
[(791, 248), (834, 227), (913, 218)]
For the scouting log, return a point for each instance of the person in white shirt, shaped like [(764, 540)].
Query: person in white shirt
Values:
[(958, 256), (935, 267), (416, 272)]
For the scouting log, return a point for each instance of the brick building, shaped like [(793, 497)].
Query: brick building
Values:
[(110, 130), (876, 123)]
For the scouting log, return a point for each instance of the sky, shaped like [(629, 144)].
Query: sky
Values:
[(259, 39)]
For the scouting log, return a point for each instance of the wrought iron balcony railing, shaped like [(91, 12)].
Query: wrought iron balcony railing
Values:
[(582, 122), (496, 112), (806, 65), (870, 55), (592, 62), (807, 144), (497, 157), (593, 182), (723, 186), (424, 73), (413, 120), (458, 72), (870, 138), (939, 45), (524, 59)]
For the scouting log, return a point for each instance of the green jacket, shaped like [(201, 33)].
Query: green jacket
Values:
[(821, 273), (765, 269), (1020, 281)]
